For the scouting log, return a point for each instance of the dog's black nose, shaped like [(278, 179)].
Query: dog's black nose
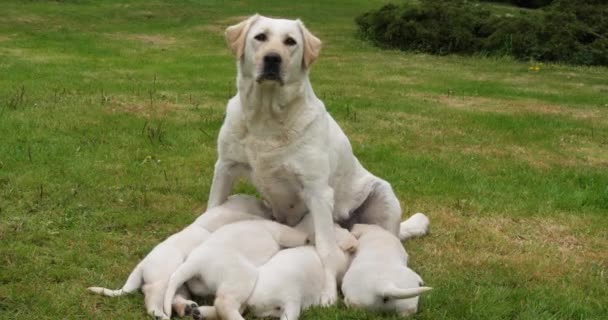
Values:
[(272, 58)]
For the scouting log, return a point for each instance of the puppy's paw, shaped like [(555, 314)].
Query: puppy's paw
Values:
[(160, 316), (196, 314), (348, 244), (190, 307)]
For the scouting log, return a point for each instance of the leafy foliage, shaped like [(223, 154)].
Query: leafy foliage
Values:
[(567, 31)]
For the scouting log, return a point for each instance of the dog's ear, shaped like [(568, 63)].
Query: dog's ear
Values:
[(235, 35), (312, 46)]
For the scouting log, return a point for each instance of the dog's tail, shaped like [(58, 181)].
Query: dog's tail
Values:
[(183, 273), (415, 226), (133, 283), (394, 292)]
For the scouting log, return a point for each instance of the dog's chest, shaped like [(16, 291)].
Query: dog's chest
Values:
[(279, 184)]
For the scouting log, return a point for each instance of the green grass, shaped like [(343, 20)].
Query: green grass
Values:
[(108, 119)]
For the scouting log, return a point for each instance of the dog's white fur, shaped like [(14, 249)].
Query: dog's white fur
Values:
[(415, 226), (291, 281), (153, 272), (226, 265), (378, 277), (279, 134)]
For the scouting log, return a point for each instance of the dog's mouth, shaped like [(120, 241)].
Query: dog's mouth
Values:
[(271, 69), (270, 76)]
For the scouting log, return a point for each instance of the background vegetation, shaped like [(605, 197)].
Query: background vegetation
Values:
[(109, 111), (570, 31)]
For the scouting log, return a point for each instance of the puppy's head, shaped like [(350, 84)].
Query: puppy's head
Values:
[(361, 229), (249, 204), (273, 51)]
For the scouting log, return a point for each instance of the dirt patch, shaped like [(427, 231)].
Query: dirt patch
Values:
[(27, 19), (219, 26), (537, 158), (541, 248), (150, 39), (143, 109), (34, 56), (505, 106), (595, 155), (5, 38)]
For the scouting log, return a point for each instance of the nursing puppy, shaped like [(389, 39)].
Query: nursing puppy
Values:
[(378, 277), (226, 265), (153, 272), (289, 283), (279, 134)]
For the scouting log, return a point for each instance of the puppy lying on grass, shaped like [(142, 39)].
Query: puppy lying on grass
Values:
[(378, 277), (290, 282), (227, 263), (153, 272)]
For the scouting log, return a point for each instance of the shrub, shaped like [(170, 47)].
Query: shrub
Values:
[(525, 3), (571, 31)]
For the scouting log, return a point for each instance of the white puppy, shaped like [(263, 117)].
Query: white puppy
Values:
[(279, 134), (227, 263), (378, 277), (153, 272), (290, 282)]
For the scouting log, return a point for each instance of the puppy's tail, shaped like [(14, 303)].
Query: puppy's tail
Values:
[(133, 283), (394, 292), (415, 226), (183, 273)]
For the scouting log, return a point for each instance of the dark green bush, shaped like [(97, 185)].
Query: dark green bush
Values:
[(524, 3), (571, 31)]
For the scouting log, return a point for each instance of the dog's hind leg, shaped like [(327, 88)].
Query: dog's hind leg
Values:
[(231, 295), (183, 273), (205, 312), (182, 303), (153, 298), (381, 208)]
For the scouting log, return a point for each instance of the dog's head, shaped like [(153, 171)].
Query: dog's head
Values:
[(273, 51)]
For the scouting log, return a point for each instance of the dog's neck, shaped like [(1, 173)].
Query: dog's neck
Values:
[(269, 105)]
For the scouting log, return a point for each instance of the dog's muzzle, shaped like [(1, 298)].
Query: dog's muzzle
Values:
[(271, 68)]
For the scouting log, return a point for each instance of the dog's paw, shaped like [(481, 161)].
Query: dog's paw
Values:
[(196, 314), (328, 299), (416, 226), (190, 307), (160, 316), (348, 244)]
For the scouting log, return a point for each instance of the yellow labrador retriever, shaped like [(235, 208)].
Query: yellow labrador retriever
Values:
[(278, 133)]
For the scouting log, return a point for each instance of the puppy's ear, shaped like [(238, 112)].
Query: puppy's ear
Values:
[(312, 46), (235, 35)]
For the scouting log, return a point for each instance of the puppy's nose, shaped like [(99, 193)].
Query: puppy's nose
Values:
[(272, 58)]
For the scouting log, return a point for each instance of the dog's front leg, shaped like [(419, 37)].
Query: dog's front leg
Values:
[(320, 199), (224, 175), (291, 311)]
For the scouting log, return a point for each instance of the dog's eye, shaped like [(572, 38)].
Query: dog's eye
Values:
[(260, 37), (290, 41)]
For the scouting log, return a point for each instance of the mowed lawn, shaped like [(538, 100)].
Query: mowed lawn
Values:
[(109, 111)]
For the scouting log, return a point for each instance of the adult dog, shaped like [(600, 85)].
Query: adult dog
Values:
[(278, 133)]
